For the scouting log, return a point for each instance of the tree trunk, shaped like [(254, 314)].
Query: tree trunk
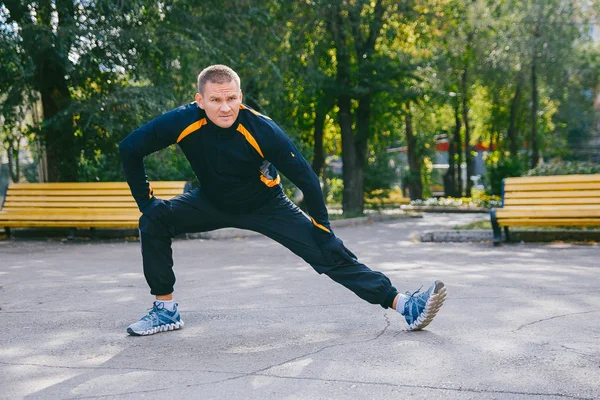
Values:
[(512, 129), (48, 54), (534, 110), (59, 139), (415, 184), (324, 105), (449, 176), (14, 167), (353, 180), (42, 166), (354, 148), (458, 150), (363, 124), (465, 110), (451, 188)]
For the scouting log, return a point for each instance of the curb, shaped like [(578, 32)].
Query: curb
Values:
[(458, 236), (441, 209), (225, 233), (235, 233)]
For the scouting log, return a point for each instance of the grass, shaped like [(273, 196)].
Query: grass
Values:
[(486, 225)]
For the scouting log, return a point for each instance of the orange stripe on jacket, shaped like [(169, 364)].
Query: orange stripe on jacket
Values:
[(250, 139), (319, 225), (191, 128), (243, 107)]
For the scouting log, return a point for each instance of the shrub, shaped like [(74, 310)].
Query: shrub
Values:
[(482, 201), (380, 175), (498, 169), (335, 190), (565, 168)]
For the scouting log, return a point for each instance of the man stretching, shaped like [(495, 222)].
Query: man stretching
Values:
[(236, 154)]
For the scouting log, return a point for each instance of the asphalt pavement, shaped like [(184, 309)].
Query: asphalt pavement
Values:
[(521, 321)]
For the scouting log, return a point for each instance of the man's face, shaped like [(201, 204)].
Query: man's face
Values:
[(221, 101)]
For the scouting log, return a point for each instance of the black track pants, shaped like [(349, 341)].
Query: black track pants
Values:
[(279, 219)]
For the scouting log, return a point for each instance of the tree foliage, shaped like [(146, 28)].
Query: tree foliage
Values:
[(349, 78)]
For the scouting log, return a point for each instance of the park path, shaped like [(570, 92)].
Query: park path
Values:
[(520, 322)]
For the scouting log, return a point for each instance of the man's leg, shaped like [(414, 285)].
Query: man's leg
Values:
[(189, 212), (282, 221), (285, 223)]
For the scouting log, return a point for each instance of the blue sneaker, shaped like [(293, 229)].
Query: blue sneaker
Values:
[(159, 319), (419, 310)]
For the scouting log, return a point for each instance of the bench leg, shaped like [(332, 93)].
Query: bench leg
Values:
[(506, 234), (93, 233), (71, 235), (497, 232), (7, 231)]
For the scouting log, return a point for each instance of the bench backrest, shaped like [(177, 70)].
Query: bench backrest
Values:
[(552, 190), (89, 195)]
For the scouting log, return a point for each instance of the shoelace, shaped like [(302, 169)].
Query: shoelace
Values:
[(415, 292), (152, 314)]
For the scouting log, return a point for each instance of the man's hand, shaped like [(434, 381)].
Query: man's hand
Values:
[(158, 208), (333, 249)]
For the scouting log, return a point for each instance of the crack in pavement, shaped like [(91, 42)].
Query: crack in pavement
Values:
[(594, 357), (554, 317), (271, 308), (257, 372), (387, 325), (51, 311), (239, 375), (354, 382), (454, 389), (92, 368), (216, 310), (263, 372)]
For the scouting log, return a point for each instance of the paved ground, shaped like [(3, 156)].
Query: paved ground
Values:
[(520, 322)]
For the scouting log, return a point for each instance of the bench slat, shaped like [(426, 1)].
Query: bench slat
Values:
[(552, 194), (86, 192), (550, 201), (71, 224), (15, 205), (567, 207), (553, 179), (526, 187), (72, 217), (58, 211), (98, 197), (545, 214), (92, 185), (552, 222)]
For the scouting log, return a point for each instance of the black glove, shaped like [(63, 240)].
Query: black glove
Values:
[(333, 249), (157, 208)]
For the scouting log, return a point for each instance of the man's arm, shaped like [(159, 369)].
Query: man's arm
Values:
[(288, 160), (153, 136)]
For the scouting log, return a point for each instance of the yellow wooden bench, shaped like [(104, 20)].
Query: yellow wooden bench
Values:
[(562, 200), (76, 205)]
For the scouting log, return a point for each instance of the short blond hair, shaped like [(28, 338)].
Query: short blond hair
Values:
[(217, 74)]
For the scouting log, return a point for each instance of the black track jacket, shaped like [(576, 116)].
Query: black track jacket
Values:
[(235, 166)]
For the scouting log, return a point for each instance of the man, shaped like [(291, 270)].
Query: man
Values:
[(234, 151)]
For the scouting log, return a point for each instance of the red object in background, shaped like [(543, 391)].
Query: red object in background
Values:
[(442, 145)]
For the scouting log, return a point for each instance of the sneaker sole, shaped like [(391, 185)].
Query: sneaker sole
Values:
[(433, 305), (157, 329)]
